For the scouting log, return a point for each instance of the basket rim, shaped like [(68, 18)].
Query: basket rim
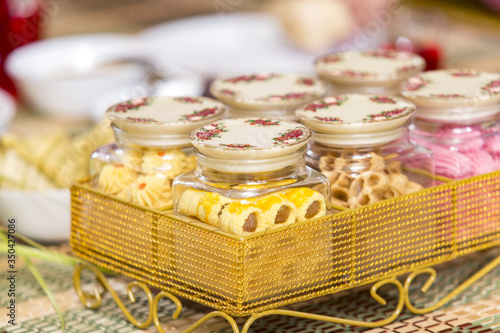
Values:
[(167, 212)]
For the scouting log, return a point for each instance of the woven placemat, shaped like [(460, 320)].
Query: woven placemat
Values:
[(477, 309)]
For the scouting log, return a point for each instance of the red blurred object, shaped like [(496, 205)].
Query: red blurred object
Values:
[(5, 47), (432, 54), (19, 25), (430, 51)]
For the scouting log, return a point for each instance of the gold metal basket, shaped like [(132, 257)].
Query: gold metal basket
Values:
[(245, 275)]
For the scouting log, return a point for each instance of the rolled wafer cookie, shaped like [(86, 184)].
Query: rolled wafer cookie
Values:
[(188, 204), (277, 210), (210, 208), (242, 218), (308, 203)]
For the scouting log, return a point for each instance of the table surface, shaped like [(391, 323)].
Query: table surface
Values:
[(477, 309)]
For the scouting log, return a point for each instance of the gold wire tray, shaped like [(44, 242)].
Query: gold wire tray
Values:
[(247, 275)]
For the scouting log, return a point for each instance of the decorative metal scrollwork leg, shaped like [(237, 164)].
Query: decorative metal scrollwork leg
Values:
[(94, 300), (467, 283), (374, 294), (177, 312), (211, 315)]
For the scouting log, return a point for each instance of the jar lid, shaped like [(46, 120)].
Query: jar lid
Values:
[(454, 94), (364, 68), (354, 119), (250, 138), (160, 115), (267, 90)]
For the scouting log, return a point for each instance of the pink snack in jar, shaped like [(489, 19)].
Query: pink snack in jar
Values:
[(456, 118)]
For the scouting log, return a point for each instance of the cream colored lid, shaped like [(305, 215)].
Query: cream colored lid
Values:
[(454, 94), (250, 138), (355, 119), (164, 115), (364, 68), (267, 90)]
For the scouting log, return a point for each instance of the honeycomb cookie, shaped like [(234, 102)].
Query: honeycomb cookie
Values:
[(381, 180)]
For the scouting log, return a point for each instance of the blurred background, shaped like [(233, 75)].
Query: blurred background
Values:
[(183, 45)]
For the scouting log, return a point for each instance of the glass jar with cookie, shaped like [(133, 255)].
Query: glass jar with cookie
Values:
[(378, 72), (251, 176), (152, 147), (457, 118), (268, 95), (361, 143)]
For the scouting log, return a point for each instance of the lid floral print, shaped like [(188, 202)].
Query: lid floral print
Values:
[(354, 109), (357, 120), (378, 65), (259, 134), (166, 110), (453, 87), (267, 89)]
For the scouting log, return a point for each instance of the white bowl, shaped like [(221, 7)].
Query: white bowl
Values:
[(232, 44), (7, 109), (43, 216), (63, 76)]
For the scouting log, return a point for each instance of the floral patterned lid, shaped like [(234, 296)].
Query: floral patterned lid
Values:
[(454, 94), (255, 137), (378, 67), (267, 90), (158, 115), (345, 117)]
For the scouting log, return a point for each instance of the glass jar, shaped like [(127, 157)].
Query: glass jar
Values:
[(266, 95), (152, 147), (361, 143), (457, 118), (251, 176), (378, 72)]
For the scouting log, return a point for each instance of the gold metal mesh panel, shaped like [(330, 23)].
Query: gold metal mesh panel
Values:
[(289, 264), (478, 213)]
